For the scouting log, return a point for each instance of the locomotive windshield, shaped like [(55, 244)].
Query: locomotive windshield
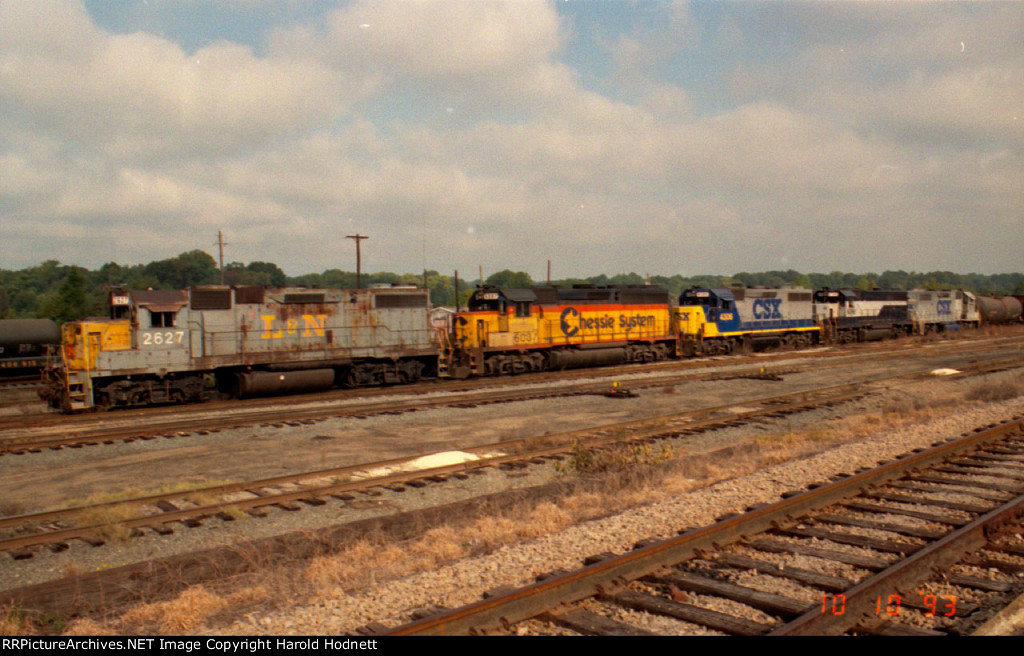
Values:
[(486, 300)]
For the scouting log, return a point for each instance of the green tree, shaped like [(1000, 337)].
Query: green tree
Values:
[(71, 301), (442, 288), (509, 279), (626, 279), (191, 268), (271, 272)]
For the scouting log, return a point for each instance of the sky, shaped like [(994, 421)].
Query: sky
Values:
[(605, 136)]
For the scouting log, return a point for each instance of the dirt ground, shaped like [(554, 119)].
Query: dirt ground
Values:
[(33, 482)]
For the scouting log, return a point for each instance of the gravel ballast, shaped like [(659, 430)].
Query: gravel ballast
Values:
[(464, 581)]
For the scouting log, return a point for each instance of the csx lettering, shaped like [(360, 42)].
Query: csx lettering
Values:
[(312, 325), (767, 308), (944, 307)]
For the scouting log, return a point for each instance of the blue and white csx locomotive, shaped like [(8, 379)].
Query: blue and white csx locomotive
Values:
[(717, 321)]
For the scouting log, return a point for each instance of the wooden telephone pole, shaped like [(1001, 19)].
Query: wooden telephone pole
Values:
[(359, 260), (220, 247)]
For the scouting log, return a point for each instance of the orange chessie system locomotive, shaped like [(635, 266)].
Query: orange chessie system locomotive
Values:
[(519, 330)]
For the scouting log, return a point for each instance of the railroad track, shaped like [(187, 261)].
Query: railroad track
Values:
[(20, 382), (55, 528), (276, 416), (897, 535), (168, 425), (21, 534)]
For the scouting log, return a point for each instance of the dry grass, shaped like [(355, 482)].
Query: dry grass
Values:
[(189, 611), (630, 475), (13, 622), (368, 562), (584, 461), (1003, 388), (108, 519), (607, 482), (86, 626), (12, 508), (16, 622), (136, 492)]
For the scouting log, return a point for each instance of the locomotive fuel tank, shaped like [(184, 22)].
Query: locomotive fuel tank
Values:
[(586, 358), (266, 383)]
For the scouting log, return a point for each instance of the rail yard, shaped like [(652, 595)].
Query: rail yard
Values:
[(237, 492)]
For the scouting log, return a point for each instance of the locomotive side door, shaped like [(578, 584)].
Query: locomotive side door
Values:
[(502, 317)]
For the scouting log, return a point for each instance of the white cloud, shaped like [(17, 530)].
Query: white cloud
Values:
[(139, 94), (132, 140)]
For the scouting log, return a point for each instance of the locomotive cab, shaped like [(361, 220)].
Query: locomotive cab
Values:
[(498, 318), (710, 311)]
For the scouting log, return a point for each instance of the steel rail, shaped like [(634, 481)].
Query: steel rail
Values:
[(907, 572), (503, 610), (22, 444), (274, 415), (96, 434), (509, 451)]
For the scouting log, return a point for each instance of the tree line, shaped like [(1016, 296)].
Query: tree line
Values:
[(66, 292)]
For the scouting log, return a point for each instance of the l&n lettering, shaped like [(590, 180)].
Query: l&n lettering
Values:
[(312, 325)]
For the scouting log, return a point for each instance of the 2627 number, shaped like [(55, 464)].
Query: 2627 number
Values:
[(163, 338)]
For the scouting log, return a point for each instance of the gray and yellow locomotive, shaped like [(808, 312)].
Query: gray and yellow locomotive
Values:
[(177, 346)]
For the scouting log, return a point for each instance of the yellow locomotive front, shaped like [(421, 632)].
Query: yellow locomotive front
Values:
[(84, 343), (505, 331)]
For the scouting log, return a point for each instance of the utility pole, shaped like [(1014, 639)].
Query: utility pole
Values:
[(359, 260), (220, 247)]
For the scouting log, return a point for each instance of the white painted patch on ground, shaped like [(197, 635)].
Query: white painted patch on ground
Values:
[(432, 461)]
